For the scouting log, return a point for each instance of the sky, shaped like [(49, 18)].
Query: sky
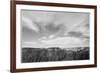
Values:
[(51, 28)]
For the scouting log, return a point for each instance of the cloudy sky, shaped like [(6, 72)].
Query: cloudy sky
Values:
[(49, 28)]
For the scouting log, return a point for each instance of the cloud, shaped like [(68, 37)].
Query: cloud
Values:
[(75, 21), (58, 42), (30, 42), (47, 37), (64, 40), (26, 22)]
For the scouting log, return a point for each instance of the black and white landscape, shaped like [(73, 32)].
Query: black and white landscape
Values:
[(54, 36)]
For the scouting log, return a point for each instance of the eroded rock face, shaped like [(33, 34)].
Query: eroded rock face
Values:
[(54, 54)]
